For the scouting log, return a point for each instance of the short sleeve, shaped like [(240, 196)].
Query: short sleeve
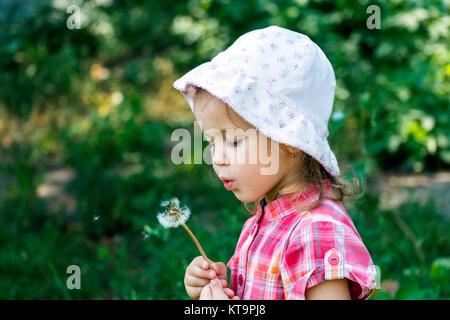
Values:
[(326, 250)]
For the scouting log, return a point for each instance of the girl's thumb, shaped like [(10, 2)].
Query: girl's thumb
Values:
[(205, 294), (216, 285)]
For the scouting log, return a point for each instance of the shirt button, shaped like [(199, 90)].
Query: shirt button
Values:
[(241, 280), (333, 259)]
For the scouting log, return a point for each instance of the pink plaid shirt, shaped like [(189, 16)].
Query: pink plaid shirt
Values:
[(283, 252)]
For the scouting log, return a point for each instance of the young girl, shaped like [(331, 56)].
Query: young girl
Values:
[(300, 242)]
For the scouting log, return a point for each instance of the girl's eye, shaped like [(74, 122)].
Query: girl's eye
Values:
[(234, 143)]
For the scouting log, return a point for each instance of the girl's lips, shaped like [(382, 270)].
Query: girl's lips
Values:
[(228, 184)]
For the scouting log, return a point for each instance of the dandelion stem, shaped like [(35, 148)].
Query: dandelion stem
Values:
[(195, 241)]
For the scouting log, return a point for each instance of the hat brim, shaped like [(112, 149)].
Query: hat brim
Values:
[(304, 133)]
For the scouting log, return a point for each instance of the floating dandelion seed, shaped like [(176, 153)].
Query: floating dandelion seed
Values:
[(147, 232), (173, 216)]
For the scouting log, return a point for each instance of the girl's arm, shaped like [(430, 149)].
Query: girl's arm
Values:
[(329, 290)]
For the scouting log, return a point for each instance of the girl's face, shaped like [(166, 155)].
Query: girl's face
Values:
[(247, 166)]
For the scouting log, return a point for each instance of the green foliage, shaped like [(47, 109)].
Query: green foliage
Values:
[(418, 263), (392, 83)]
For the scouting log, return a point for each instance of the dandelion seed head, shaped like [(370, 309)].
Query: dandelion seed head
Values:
[(174, 202), (172, 215)]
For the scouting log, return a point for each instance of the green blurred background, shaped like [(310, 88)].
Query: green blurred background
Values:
[(86, 118)]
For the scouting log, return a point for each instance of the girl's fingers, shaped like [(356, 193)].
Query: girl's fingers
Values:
[(229, 292), (200, 273), (220, 268), (193, 292), (206, 293), (196, 281), (235, 298), (217, 291), (201, 263)]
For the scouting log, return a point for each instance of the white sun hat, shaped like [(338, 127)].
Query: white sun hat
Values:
[(279, 81)]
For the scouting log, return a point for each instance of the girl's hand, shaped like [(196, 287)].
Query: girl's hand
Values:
[(214, 291), (198, 275)]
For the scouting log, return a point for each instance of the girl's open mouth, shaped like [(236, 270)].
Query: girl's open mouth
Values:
[(228, 184)]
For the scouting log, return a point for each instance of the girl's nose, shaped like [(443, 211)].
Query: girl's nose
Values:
[(219, 156)]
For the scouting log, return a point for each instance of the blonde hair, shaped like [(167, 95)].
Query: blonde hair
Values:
[(309, 173)]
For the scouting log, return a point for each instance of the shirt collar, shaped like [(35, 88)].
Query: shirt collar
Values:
[(284, 205)]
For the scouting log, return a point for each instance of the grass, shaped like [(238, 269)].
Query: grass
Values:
[(122, 170)]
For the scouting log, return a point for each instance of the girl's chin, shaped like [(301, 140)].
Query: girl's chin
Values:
[(244, 197)]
